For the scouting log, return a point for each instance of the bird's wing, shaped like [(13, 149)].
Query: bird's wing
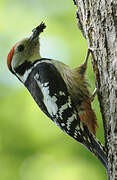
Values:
[(50, 92)]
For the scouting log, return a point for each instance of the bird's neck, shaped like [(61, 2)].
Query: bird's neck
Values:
[(35, 57)]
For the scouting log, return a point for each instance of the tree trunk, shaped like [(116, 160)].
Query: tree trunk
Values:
[(97, 19)]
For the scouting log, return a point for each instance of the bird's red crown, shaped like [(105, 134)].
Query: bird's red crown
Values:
[(10, 55)]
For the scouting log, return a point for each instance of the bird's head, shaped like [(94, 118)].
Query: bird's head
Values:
[(24, 52)]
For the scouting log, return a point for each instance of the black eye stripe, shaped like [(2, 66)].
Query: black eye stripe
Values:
[(21, 47)]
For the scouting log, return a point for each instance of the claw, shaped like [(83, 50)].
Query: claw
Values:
[(93, 94)]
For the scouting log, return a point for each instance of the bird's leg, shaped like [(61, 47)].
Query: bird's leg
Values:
[(93, 94), (90, 50)]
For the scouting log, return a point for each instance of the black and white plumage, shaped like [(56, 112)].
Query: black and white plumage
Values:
[(44, 80), (50, 92)]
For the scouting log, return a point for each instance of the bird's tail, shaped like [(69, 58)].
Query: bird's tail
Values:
[(98, 150)]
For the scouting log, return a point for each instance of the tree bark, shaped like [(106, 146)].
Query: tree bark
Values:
[(97, 19)]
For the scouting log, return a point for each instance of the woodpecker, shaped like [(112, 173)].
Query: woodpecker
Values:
[(60, 91)]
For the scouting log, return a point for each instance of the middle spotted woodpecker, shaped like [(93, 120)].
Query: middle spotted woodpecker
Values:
[(60, 91)]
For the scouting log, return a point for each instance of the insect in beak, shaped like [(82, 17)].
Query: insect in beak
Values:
[(36, 31)]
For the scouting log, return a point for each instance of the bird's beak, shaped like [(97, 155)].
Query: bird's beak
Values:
[(36, 31)]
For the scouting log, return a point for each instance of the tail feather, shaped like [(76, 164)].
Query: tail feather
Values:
[(101, 154), (97, 149)]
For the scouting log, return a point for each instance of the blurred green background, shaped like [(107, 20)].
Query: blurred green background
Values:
[(31, 146)]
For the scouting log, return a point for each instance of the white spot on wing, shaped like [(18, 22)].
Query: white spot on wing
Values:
[(64, 106), (62, 124), (50, 102), (36, 77), (70, 120), (46, 84), (62, 93), (75, 135), (81, 126), (69, 101), (61, 110), (84, 138), (77, 128), (77, 131)]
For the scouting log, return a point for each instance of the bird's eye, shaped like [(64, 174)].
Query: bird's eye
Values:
[(21, 47)]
